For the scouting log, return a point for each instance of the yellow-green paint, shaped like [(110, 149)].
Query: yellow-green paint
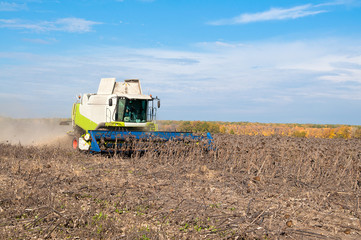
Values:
[(82, 121), (114, 124), (152, 126), (74, 111)]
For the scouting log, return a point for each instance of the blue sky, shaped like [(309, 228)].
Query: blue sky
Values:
[(258, 61)]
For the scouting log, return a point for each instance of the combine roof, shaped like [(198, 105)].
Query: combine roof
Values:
[(130, 88)]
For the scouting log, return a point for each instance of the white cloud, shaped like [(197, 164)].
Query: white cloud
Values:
[(10, 7), (19, 24), (276, 14), (339, 2), (76, 25)]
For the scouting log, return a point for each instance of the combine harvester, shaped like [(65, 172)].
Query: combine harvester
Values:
[(119, 117)]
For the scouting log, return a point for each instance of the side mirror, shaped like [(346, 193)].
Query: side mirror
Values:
[(158, 103), (110, 102)]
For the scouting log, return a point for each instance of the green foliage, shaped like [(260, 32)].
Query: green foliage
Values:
[(185, 126), (215, 205), (299, 134), (100, 229), (99, 217), (357, 133), (343, 132), (144, 237), (199, 126), (316, 126), (96, 220), (265, 129), (185, 227), (121, 211), (141, 210)]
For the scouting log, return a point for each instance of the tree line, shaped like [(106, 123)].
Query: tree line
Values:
[(265, 129)]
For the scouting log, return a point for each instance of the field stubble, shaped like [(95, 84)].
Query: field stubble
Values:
[(251, 187)]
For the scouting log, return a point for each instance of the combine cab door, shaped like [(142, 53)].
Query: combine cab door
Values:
[(110, 109)]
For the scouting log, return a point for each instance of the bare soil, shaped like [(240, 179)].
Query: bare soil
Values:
[(250, 187)]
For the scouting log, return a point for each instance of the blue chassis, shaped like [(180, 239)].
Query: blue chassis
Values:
[(97, 135)]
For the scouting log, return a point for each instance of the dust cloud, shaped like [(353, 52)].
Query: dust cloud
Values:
[(43, 131)]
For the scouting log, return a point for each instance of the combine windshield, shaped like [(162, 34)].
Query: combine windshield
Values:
[(131, 110)]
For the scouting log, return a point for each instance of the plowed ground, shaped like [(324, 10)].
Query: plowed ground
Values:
[(249, 188)]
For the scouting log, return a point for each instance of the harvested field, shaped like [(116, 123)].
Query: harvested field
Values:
[(252, 187)]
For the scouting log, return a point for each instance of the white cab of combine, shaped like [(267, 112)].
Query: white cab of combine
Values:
[(115, 105)]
